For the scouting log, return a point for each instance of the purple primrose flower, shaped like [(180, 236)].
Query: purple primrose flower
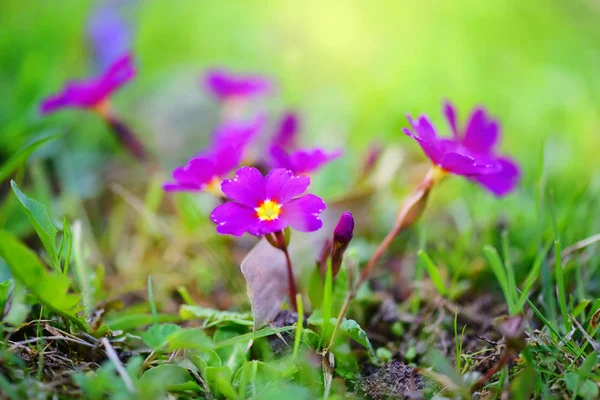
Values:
[(241, 133), (205, 173), (303, 162), (286, 136), (262, 205), (471, 154), (225, 85), (92, 93)]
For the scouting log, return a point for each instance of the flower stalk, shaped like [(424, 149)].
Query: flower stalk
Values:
[(411, 211), (279, 241)]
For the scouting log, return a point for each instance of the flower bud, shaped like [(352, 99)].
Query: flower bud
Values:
[(342, 235)]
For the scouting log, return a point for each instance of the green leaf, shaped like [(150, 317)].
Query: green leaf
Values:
[(522, 387), (52, 289), (10, 165), (156, 336), (127, 322), (4, 292), (434, 273), (349, 327), (204, 358), (168, 377), (19, 308), (252, 335), (214, 317), (219, 381), (190, 338), (588, 390), (40, 219), (571, 381), (254, 375)]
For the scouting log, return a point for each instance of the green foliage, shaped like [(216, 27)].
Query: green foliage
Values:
[(434, 273), (42, 223), (349, 328), (10, 165), (167, 377), (52, 289), (212, 317), (157, 335)]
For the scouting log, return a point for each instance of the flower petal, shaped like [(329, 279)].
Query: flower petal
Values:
[(119, 73), (423, 128), (248, 187), (233, 218), (303, 213), (223, 84), (309, 161), (450, 113), (503, 182), (286, 135), (263, 227), (281, 159), (282, 186), (432, 150), (482, 133), (463, 164), (227, 158)]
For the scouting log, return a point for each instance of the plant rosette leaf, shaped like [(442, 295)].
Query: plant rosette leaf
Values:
[(157, 335), (42, 223), (52, 289)]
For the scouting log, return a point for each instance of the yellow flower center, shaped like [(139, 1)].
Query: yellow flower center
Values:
[(268, 210), (439, 173), (214, 186)]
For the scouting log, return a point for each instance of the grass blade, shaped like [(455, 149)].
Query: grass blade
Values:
[(500, 272), (434, 273)]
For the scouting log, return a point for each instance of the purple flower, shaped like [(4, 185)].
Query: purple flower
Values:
[(92, 93), (268, 204), (303, 162), (109, 34), (286, 136), (225, 85), (240, 133), (206, 173), (471, 154)]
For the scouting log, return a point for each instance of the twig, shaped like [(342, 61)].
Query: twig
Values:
[(38, 339), (114, 357)]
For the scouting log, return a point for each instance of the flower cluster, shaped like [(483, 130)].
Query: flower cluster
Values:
[(257, 204)]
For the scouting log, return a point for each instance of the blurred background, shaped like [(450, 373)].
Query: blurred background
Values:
[(352, 69)]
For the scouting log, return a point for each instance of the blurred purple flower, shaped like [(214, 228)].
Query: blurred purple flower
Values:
[(207, 172), (286, 136), (240, 133), (269, 204), (303, 162), (471, 153), (92, 93), (225, 85), (109, 34)]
